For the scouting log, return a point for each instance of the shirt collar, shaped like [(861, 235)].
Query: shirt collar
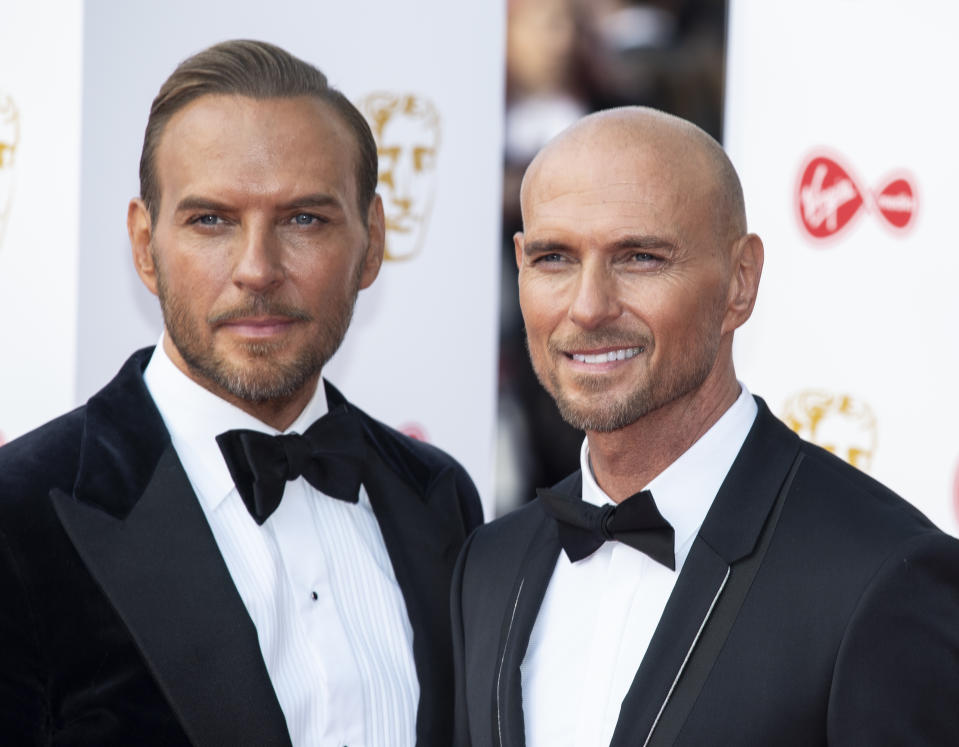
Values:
[(685, 490), (195, 416)]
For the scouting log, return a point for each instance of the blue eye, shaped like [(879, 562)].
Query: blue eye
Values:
[(208, 220), (307, 219)]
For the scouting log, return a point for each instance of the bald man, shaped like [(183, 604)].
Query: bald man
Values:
[(706, 577)]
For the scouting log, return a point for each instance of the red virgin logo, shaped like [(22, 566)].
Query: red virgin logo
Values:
[(829, 198)]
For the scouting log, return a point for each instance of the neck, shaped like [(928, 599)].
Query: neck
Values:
[(626, 460)]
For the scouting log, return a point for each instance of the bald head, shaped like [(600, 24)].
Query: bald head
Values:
[(631, 143), (635, 269)]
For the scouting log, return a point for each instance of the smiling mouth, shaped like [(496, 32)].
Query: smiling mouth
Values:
[(621, 354)]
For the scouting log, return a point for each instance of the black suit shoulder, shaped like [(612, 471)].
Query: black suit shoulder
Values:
[(397, 448), (861, 490), (852, 520), (42, 459), (418, 463)]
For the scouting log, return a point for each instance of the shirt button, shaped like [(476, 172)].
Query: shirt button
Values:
[(316, 596)]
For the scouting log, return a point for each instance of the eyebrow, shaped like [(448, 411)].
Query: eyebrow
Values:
[(199, 203), (312, 201), (547, 246), (317, 200)]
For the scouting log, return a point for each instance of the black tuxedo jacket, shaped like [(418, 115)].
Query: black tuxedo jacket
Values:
[(119, 622), (815, 607)]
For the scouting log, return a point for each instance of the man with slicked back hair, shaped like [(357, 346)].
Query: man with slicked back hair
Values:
[(219, 548)]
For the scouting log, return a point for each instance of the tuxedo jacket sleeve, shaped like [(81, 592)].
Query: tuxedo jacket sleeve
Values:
[(815, 608), (120, 623)]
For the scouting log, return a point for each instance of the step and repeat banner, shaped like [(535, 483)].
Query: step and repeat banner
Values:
[(76, 82), (40, 102), (840, 118)]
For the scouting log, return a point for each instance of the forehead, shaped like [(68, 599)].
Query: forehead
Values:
[(257, 143), (599, 187)]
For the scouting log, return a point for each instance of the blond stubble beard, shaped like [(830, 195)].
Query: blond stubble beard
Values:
[(263, 379), (605, 414)]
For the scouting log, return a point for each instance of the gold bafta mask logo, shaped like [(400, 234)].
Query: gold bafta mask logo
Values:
[(840, 423), (406, 127), (9, 139)]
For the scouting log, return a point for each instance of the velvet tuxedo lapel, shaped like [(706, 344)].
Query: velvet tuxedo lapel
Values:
[(135, 521), (716, 572), (422, 550), (422, 533)]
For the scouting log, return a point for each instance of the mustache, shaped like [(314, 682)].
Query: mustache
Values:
[(260, 306), (601, 338)]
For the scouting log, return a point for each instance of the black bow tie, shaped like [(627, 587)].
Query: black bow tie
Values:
[(636, 522), (329, 455)]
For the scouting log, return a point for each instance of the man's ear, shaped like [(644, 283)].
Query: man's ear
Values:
[(376, 224), (747, 268), (518, 244), (140, 229)]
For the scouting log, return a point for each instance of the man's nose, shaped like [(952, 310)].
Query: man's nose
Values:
[(258, 266), (595, 299)]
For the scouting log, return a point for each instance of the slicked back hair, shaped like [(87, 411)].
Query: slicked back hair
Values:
[(258, 70)]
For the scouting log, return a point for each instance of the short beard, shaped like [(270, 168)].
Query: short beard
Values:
[(265, 378), (604, 414)]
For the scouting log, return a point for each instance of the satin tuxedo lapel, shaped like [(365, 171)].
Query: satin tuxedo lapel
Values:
[(136, 523), (529, 588), (711, 586)]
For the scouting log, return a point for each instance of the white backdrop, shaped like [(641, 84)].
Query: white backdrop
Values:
[(421, 352), (853, 337), (840, 117), (40, 57)]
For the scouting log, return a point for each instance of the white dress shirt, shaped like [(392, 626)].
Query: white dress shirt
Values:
[(315, 578), (599, 614)]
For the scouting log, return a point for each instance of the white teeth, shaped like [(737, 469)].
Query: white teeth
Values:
[(613, 355)]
